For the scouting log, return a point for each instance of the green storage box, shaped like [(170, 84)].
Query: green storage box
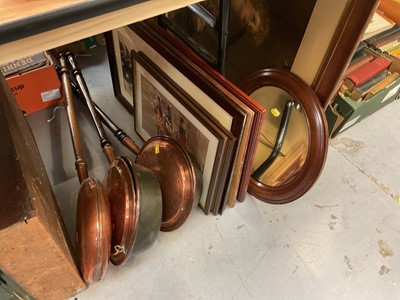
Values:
[(343, 112)]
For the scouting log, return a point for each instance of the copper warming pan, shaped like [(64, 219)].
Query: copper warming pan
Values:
[(181, 182), (180, 178), (133, 192), (93, 220), (179, 175)]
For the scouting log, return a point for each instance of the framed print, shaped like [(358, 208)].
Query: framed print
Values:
[(121, 70), (137, 43), (230, 106), (247, 115), (162, 108), (224, 177), (313, 41)]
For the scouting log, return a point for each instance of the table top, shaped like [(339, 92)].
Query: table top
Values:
[(28, 26)]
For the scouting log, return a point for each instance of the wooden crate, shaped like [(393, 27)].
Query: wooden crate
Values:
[(34, 248)]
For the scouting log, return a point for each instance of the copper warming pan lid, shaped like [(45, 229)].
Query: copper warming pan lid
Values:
[(93, 221), (175, 172)]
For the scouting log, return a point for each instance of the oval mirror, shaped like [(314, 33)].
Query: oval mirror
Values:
[(293, 141)]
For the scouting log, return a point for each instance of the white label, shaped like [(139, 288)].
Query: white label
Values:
[(50, 95), (349, 123), (391, 93)]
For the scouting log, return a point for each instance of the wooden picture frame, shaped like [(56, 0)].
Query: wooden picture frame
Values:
[(235, 111), (163, 108), (121, 70), (195, 31), (305, 177), (247, 115), (349, 30), (324, 49), (273, 42), (319, 38)]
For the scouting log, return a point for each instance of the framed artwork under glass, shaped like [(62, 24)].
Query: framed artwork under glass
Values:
[(313, 39), (270, 32), (288, 56)]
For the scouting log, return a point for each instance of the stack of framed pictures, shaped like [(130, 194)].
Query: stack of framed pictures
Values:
[(171, 91), (269, 50)]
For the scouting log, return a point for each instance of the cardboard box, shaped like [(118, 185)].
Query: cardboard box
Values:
[(344, 112), (34, 82)]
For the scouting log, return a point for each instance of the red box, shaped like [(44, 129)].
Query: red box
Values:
[(34, 82)]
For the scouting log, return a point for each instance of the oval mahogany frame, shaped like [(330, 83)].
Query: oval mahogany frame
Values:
[(318, 144)]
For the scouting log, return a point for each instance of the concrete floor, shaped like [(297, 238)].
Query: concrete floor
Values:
[(339, 241)]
